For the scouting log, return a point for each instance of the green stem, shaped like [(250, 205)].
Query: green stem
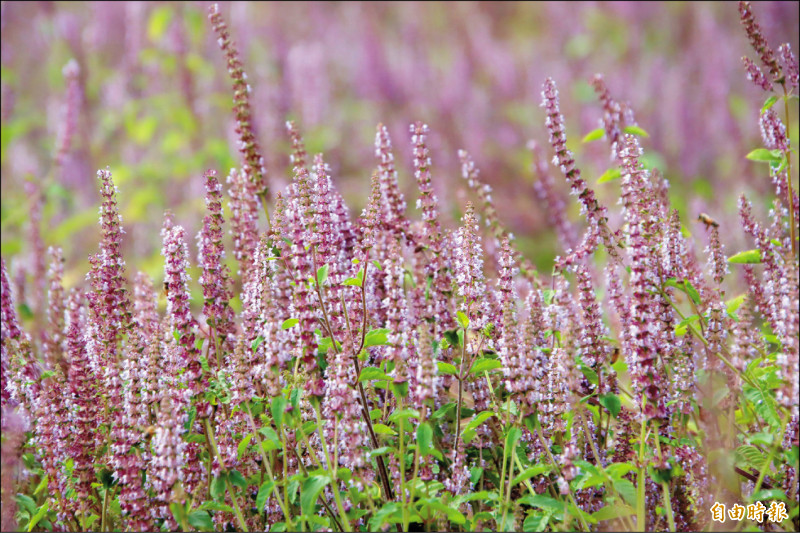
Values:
[(789, 194), (105, 509), (665, 487), (331, 469), (228, 486), (640, 481)]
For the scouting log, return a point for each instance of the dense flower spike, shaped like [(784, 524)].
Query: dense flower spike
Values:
[(758, 42), (181, 322), (468, 264), (244, 220), (10, 332), (590, 207), (71, 108), (755, 74), (215, 278), (253, 167), (789, 64), (773, 132), (394, 204)]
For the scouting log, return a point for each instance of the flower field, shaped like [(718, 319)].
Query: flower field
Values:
[(437, 267)]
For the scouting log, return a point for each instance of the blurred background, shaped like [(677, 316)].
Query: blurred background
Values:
[(153, 102)]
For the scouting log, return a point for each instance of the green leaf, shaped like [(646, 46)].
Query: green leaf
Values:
[(256, 343), (376, 337), (612, 403), (543, 502), (478, 420), (593, 135), (322, 274), (610, 512), (462, 319), (626, 489), (264, 493), (635, 130), (536, 522), (443, 410), (371, 373), (403, 413), (511, 439), (278, 408), (380, 451), (767, 495), (453, 515), (377, 264), (216, 506), (289, 323), (769, 103), (310, 492), (764, 155), (425, 438), (750, 456), (201, 521), (42, 485), (590, 374), (356, 281), (764, 404), (242, 448), (40, 513), (237, 479), (734, 304), (178, 512), (382, 429), (483, 364), (617, 470), (749, 257), (271, 435), (446, 368), (610, 175), (530, 472)]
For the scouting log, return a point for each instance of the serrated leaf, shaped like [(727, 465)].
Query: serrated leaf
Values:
[(356, 281), (764, 155), (589, 374), (749, 257), (271, 435), (750, 456), (763, 404), (593, 135), (371, 373), (462, 319), (610, 175), (216, 506), (612, 403), (201, 521), (376, 337), (242, 448), (310, 492), (290, 323), (484, 365), (635, 130), (264, 492), (380, 451), (446, 368), (425, 438)]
